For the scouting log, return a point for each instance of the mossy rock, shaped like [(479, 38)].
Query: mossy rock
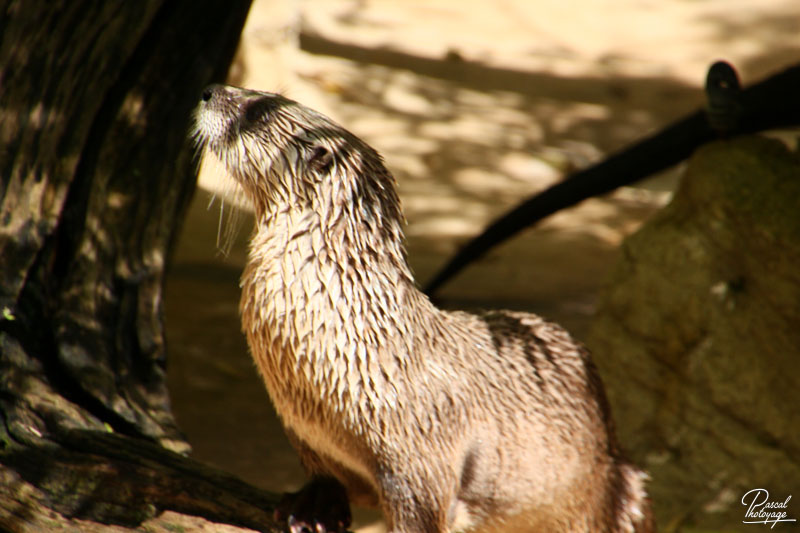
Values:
[(698, 338)]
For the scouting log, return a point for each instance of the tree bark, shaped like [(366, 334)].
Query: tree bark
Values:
[(97, 172)]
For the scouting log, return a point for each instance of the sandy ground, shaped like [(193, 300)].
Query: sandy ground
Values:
[(475, 105)]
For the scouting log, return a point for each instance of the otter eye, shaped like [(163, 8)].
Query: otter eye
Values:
[(320, 159)]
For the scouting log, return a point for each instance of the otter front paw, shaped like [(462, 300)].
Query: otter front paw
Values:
[(319, 507)]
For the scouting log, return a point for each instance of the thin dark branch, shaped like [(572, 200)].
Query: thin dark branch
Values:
[(770, 104)]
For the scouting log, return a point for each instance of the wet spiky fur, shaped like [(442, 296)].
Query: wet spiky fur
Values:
[(446, 420)]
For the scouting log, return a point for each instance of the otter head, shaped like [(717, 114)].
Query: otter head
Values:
[(282, 152)]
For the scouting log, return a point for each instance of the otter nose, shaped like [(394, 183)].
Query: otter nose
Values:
[(211, 91)]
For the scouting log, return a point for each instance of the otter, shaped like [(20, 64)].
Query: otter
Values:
[(448, 421)]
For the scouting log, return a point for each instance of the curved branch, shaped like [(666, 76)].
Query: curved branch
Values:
[(770, 104)]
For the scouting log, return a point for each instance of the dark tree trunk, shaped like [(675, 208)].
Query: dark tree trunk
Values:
[(95, 102)]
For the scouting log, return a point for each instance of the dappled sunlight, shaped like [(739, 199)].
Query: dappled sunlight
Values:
[(477, 155), (675, 39), (475, 106)]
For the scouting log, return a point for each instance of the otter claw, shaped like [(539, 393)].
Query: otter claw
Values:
[(298, 526), (320, 507), (301, 526)]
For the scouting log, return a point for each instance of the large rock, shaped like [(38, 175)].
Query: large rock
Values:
[(698, 338)]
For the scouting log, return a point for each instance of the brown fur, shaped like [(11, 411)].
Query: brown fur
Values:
[(446, 420)]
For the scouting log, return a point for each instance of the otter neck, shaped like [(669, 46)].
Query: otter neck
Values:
[(354, 229), (329, 290)]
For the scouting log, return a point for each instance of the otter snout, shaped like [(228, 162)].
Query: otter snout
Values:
[(249, 106), (227, 114), (274, 147), (215, 119)]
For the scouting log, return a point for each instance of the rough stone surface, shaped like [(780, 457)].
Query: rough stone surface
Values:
[(698, 337)]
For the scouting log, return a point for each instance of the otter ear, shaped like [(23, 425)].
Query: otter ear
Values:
[(320, 159)]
